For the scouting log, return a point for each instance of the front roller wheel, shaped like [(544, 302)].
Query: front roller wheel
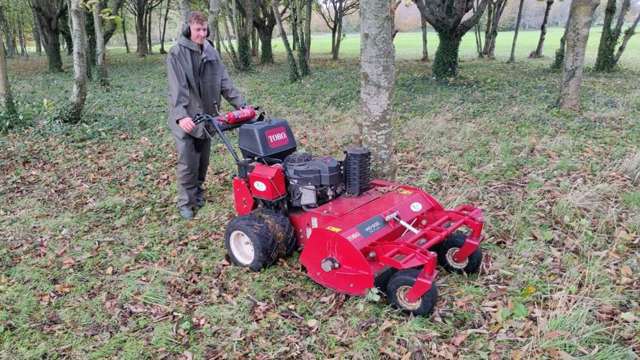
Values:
[(250, 243), (448, 249), (398, 287)]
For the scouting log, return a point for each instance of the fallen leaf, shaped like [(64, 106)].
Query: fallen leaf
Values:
[(62, 288), (459, 338), (629, 317), (67, 263)]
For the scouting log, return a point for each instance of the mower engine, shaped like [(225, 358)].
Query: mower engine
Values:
[(313, 181)]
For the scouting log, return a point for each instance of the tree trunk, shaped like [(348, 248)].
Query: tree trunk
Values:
[(293, 68), (377, 80), (299, 38), (5, 87), (65, 30), (37, 39), (425, 49), (213, 16), (149, 17), (124, 32), (228, 15), (185, 10), (478, 33), (605, 61), (559, 56), (336, 55), (254, 42), (580, 19), (141, 34), (79, 94), (494, 14), (445, 64), (109, 25), (307, 31), (91, 45), (5, 29), (103, 76), (512, 58), (537, 53), (22, 41), (244, 28), (627, 35), (266, 50), (164, 27), (48, 16)]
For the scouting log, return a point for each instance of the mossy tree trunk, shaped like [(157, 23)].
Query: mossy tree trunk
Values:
[(606, 60), (445, 64), (294, 75), (48, 14), (101, 49), (559, 54), (494, 14), (244, 27), (264, 21), (451, 22), (5, 88)]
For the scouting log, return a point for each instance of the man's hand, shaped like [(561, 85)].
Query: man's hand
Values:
[(187, 124)]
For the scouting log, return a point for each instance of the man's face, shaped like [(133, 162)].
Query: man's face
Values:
[(198, 33)]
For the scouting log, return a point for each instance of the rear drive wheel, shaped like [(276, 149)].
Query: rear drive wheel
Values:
[(447, 250), (398, 287), (281, 229), (250, 243)]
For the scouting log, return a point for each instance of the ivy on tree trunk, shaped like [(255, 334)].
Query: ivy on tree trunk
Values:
[(451, 19)]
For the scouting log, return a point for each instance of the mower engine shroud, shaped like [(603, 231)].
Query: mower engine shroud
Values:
[(355, 233)]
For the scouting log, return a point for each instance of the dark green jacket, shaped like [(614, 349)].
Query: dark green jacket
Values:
[(197, 79)]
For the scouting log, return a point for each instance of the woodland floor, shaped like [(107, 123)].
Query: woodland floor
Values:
[(95, 263)]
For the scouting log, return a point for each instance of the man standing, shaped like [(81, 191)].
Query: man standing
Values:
[(197, 79)]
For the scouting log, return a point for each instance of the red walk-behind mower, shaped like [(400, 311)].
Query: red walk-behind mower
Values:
[(355, 233)]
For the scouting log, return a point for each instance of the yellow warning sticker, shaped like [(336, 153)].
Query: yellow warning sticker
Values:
[(405, 191), (334, 229)]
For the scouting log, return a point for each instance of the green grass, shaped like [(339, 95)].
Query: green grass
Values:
[(409, 46), (95, 263)]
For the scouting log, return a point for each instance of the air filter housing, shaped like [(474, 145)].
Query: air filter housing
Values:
[(357, 172)]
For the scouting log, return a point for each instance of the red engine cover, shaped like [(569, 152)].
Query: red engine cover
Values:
[(267, 182)]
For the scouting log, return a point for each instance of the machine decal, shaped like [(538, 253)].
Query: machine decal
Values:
[(416, 207), (371, 226), (277, 137), (334, 229), (353, 236), (405, 192), (259, 185)]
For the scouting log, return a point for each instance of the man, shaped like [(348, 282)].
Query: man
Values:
[(197, 79)]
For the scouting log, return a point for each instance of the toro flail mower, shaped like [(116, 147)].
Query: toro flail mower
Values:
[(355, 233)]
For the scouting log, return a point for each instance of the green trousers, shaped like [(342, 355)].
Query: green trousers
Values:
[(193, 161)]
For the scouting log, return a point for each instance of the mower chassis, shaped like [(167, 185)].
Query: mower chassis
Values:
[(349, 241)]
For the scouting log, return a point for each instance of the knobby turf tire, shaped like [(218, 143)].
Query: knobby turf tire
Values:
[(257, 230), (281, 229), (400, 282), (456, 240)]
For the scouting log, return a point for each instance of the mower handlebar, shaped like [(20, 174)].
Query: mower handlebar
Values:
[(238, 117)]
